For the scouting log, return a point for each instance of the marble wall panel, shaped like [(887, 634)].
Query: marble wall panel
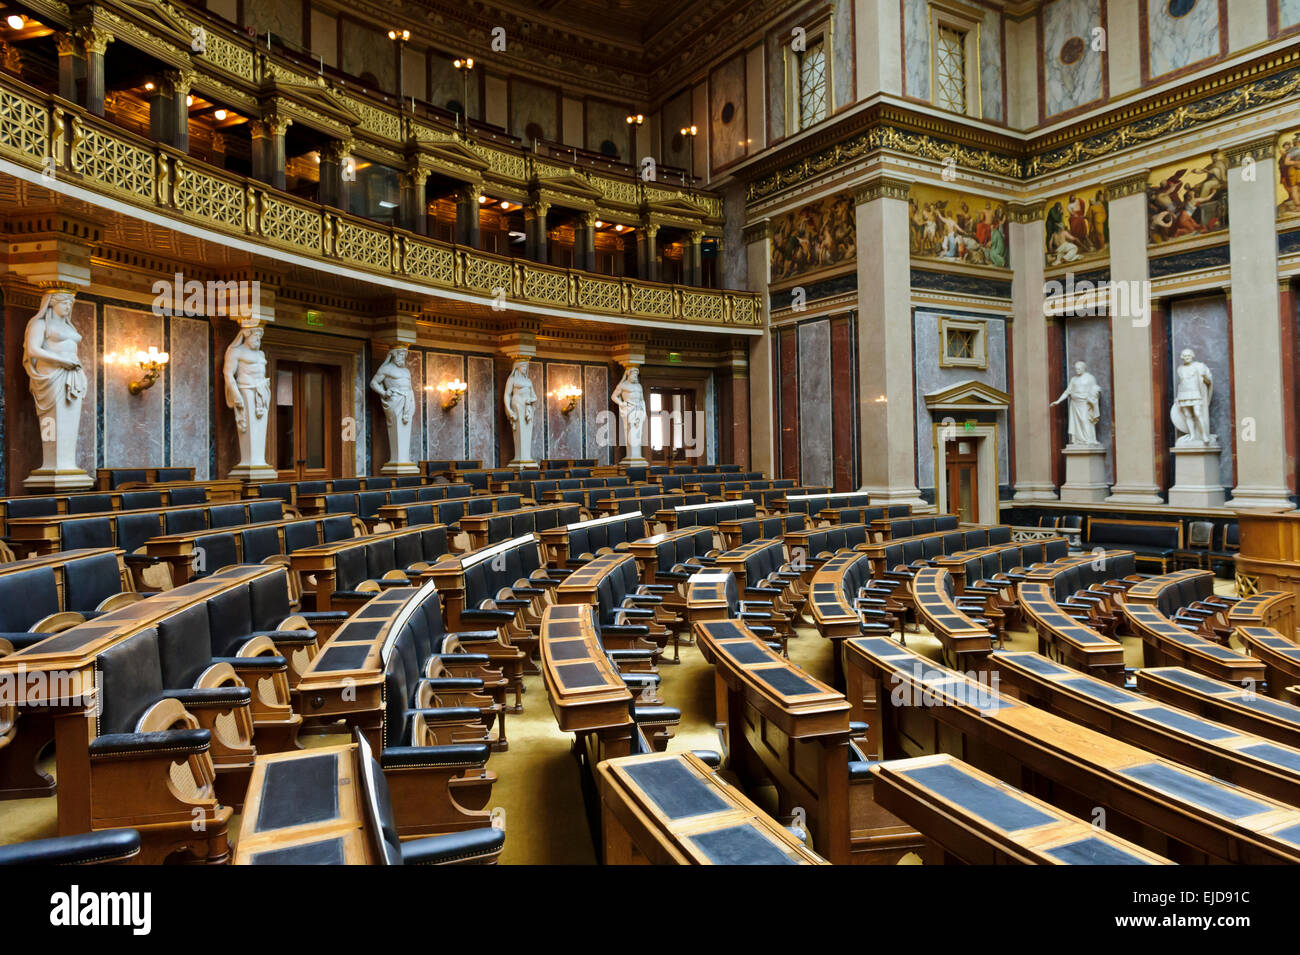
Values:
[(537, 373), (367, 49), (916, 48), (607, 121), (1288, 13), (1072, 70), (415, 363), (727, 121), (775, 89), (446, 429), (189, 379), (596, 408), (1087, 339), (991, 65), (363, 412), (84, 319), (1180, 33), (842, 48), (930, 377), (815, 439), (133, 424), (534, 104), (1201, 324), (563, 431), (482, 409)]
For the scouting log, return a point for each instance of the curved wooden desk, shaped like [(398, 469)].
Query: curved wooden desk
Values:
[(1167, 644), (1065, 638)]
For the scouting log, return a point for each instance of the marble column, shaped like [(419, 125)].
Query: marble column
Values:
[(160, 111), (276, 127), (1031, 372), (647, 252), (467, 224), (739, 424), (72, 64), (535, 240), (258, 134), (584, 242), (1257, 362), (335, 177), (762, 404), (180, 81), (416, 213), (694, 260), (1130, 321), (96, 42), (886, 438)]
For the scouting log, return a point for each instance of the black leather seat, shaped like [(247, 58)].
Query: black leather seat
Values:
[(86, 532), (89, 503), (259, 543), (184, 521), (187, 496), (138, 500), (119, 476), (89, 581), (302, 534), (26, 598), (105, 847), (166, 475)]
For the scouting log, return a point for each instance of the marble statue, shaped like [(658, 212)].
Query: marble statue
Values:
[(1085, 407), (57, 380), (248, 392), (1193, 388), (630, 399), (392, 382), (520, 399)]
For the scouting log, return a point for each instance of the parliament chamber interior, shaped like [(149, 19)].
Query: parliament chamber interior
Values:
[(513, 432)]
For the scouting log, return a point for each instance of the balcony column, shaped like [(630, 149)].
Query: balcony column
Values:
[(72, 64), (647, 252), (96, 42), (160, 112), (1032, 432), (762, 400), (584, 242), (415, 209), (694, 271), (276, 126), (181, 81), (535, 230), (335, 176), (467, 226)]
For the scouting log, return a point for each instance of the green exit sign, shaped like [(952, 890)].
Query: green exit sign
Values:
[(970, 425), (675, 357), (313, 318)]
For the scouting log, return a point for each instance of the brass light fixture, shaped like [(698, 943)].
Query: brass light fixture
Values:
[(151, 365), (464, 64), (691, 132), (452, 391), (567, 396)]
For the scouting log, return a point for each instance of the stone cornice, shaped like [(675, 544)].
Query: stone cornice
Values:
[(1128, 186), (882, 187)]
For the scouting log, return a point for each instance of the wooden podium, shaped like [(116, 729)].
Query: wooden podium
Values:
[(1269, 558)]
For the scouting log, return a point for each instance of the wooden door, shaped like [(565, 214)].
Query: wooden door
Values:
[(669, 411), (962, 463), (306, 401)]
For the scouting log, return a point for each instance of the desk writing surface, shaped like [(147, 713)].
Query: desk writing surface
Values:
[(582, 684), (304, 808), (676, 810)]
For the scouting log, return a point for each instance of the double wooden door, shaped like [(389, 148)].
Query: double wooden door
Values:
[(962, 465), (307, 420)]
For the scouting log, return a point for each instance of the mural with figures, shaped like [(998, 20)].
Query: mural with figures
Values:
[(1075, 226), (1288, 173), (957, 227), (817, 237), (1188, 199)]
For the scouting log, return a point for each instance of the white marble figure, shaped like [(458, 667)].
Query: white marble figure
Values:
[(520, 399), (1085, 407), (630, 399), (248, 392), (57, 380), (1191, 410), (392, 382)]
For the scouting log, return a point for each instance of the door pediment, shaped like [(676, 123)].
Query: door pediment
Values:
[(968, 395)]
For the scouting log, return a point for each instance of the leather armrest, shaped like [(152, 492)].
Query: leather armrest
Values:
[(164, 741), (530, 591), (87, 848), (465, 659), (224, 696), (453, 754), (658, 588), (656, 714), (454, 847), (488, 616), (473, 635), (630, 656), (452, 682), (625, 629), (508, 602), (311, 615), (447, 714), (636, 613), (254, 663), (651, 599)]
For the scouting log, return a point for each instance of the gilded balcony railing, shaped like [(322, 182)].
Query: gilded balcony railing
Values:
[(49, 136)]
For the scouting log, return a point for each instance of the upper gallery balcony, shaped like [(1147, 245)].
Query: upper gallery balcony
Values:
[(241, 141)]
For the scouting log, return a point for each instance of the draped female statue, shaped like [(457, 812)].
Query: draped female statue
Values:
[(519, 398), (630, 398), (57, 380)]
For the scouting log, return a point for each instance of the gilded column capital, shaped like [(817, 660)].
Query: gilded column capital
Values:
[(68, 44), (182, 81), (1133, 185), (1025, 212), (337, 150), (1257, 150), (94, 39), (882, 187), (276, 123), (755, 231)]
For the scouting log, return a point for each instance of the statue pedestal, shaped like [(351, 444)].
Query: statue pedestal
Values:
[(253, 472), (1196, 477), (522, 465), (394, 468), (72, 479), (634, 462), (1085, 474)]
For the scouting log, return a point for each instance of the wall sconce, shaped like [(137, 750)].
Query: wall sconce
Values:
[(452, 391), (151, 365), (567, 396)]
